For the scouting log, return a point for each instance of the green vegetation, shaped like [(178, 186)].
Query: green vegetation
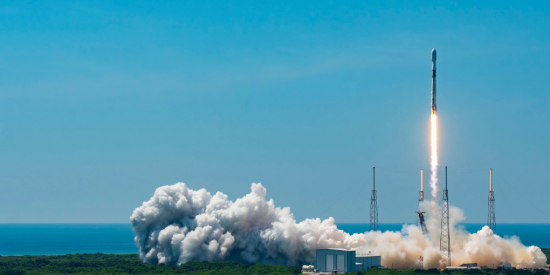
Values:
[(126, 264), (375, 271), (546, 252), (130, 264)]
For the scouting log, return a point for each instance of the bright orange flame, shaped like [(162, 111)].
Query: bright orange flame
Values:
[(434, 159)]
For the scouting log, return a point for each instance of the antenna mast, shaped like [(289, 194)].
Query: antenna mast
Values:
[(373, 205)]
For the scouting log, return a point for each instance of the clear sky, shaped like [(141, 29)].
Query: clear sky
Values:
[(101, 103)]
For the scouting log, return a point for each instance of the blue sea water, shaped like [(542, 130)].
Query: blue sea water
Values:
[(58, 239)]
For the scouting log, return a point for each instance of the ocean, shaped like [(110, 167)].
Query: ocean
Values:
[(59, 239)]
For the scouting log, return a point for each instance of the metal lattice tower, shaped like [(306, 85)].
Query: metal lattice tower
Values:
[(373, 205), (420, 212), (420, 195), (422, 222), (491, 217), (445, 239)]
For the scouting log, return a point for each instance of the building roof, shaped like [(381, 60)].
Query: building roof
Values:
[(341, 249)]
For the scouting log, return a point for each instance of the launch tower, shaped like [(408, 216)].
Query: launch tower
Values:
[(445, 239), (421, 195), (421, 221), (491, 217), (373, 205)]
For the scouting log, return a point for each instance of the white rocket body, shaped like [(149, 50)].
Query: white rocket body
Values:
[(434, 58)]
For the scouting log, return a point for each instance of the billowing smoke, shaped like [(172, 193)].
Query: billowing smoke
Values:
[(179, 224)]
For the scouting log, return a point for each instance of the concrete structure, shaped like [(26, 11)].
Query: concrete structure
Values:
[(342, 261), (308, 269), (365, 262), (506, 266), (335, 260), (464, 266)]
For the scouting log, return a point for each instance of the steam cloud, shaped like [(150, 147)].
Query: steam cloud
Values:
[(179, 224)]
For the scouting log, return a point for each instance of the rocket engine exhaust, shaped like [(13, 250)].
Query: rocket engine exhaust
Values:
[(434, 162)]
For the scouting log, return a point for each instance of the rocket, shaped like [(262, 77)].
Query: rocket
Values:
[(434, 58)]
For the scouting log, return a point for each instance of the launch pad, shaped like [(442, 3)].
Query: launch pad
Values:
[(444, 237)]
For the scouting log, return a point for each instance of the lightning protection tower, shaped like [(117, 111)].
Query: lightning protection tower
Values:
[(373, 205), (491, 217), (445, 239)]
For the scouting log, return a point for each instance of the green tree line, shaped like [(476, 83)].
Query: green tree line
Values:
[(127, 264), (546, 252), (130, 264)]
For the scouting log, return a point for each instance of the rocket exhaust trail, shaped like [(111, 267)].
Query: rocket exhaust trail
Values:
[(434, 162), (433, 156)]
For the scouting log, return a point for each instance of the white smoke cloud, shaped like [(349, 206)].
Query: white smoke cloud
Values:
[(178, 225)]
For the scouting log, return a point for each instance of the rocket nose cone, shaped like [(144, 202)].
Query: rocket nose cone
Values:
[(434, 55)]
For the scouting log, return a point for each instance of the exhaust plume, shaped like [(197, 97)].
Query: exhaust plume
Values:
[(179, 224), (434, 162)]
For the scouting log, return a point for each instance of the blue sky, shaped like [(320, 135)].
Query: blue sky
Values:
[(101, 103)]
